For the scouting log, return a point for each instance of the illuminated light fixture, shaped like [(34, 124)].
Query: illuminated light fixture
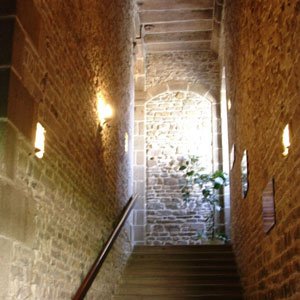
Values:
[(286, 140), (39, 140), (229, 104), (104, 110), (126, 146)]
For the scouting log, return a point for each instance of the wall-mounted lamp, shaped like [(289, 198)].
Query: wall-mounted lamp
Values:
[(286, 140), (126, 143), (229, 104), (39, 143), (104, 110)]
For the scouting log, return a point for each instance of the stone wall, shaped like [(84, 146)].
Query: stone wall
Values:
[(57, 211), (193, 67), (190, 75), (262, 66), (178, 124)]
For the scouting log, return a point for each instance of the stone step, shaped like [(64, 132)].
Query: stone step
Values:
[(182, 256), (183, 249), (178, 270), (181, 263), (185, 297), (187, 279), (181, 272), (178, 291), (192, 289)]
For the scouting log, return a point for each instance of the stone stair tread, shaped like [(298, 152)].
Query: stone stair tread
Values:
[(181, 272), (181, 263), (183, 286), (139, 289), (182, 281), (182, 256), (168, 273), (183, 249), (175, 269), (189, 278), (185, 297)]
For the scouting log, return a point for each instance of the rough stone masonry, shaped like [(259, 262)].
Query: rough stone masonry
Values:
[(178, 124), (57, 211), (262, 61)]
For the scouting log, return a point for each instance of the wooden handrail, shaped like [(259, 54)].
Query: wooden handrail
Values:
[(93, 272)]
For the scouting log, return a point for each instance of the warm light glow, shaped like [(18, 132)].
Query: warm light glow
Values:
[(108, 111), (126, 146), (39, 140), (105, 111), (286, 140), (196, 135), (229, 104)]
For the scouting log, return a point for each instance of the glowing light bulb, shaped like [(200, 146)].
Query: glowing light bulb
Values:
[(39, 140), (108, 112), (286, 140), (104, 110), (229, 104)]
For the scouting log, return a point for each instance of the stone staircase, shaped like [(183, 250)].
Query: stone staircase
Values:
[(180, 272)]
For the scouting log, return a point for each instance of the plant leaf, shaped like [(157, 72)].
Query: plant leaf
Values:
[(190, 173), (205, 192)]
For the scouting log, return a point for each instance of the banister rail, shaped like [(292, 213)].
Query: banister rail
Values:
[(94, 270)]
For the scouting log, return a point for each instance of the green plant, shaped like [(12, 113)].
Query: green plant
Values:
[(198, 183)]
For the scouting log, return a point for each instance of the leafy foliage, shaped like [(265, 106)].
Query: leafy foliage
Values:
[(209, 185)]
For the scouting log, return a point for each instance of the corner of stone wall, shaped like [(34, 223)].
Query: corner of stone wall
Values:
[(139, 169)]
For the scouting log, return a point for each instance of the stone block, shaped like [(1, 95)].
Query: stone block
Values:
[(140, 82), (17, 214), (140, 157), (30, 19), (18, 50), (8, 149), (140, 203), (139, 143), (156, 90), (177, 85), (139, 66), (158, 228), (139, 173), (139, 113), (6, 253), (171, 181), (198, 89), (139, 51), (140, 188), (172, 205), (141, 128), (138, 233), (155, 206), (172, 228), (22, 108), (151, 163), (139, 97), (139, 217)]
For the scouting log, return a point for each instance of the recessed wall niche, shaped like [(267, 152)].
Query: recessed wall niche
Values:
[(245, 175), (268, 206)]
